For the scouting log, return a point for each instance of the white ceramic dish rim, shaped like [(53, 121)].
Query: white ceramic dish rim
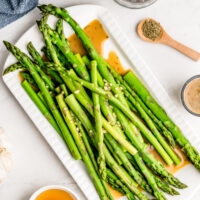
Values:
[(76, 168), (50, 187)]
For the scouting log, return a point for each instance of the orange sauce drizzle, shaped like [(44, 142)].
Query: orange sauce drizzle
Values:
[(115, 194), (98, 35), (20, 77), (55, 194), (114, 61)]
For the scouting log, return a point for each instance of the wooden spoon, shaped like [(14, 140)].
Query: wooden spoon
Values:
[(164, 38)]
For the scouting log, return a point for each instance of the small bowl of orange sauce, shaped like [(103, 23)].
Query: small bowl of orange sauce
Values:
[(190, 95), (54, 192)]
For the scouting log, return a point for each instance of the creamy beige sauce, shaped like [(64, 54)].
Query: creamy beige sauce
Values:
[(55, 194), (192, 95)]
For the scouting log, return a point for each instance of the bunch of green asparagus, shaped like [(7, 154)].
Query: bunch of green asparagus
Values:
[(106, 119)]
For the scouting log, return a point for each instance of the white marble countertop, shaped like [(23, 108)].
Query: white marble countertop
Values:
[(35, 164)]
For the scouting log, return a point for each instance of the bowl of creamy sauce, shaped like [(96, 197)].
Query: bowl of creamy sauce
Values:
[(54, 192), (190, 95)]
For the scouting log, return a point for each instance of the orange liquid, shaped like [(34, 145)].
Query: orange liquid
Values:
[(115, 194), (20, 77), (55, 194), (97, 34), (114, 61)]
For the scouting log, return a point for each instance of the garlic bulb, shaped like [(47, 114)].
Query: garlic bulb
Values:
[(5, 157)]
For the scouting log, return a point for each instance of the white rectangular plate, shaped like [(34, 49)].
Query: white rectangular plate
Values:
[(130, 59)]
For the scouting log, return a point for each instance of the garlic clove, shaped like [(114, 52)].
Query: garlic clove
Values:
[(3, 171), (4, 142), (6, 160)]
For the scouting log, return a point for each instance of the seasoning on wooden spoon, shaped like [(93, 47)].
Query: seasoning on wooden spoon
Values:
[(151, 29)]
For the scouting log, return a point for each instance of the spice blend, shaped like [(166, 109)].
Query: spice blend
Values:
[(151, 29)]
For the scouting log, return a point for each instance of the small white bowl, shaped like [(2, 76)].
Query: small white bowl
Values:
[(50, 187)]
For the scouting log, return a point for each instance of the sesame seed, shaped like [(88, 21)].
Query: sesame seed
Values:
[(77, 91), (105, 88)]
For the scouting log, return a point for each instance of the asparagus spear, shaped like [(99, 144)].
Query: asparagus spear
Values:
[(49, 46), (80, 113), (130, 169), (26, 62), (161, 184), (115, 186), (98, 122), (91, 154), (74, 87), (110, 148), (110, 116), (181, 140), (136, 132), (59, 28), (46, 79), (118, 185), (40, 105), (26, 76), (39, 61), (150, 161), (64, 89), (82, 149), (138, 159), (46, 53), (132, 108), (123, 175), (86, 60), (12, 68), (63, 45), (58, 90), (42, 99), (105, 107), (102, 64), (60, 31)]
